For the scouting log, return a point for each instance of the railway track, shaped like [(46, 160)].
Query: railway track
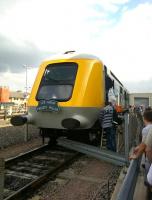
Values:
[(28, 171)]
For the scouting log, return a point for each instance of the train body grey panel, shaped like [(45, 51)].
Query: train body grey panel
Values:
[(85, 116)]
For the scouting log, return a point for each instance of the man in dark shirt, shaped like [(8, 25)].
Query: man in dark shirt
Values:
[(108, 119)]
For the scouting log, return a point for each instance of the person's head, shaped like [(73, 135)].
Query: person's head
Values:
[(108, 103), (147, 117)]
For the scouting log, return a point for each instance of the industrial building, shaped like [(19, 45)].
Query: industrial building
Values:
[(17, 97), (139, 99)]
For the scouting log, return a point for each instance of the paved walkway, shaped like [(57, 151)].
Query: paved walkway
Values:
[(141, 189)]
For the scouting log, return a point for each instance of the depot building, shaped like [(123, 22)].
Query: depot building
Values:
[(139, 99)]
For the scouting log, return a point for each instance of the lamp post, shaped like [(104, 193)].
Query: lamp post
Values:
[(26, 79), (26, 94)]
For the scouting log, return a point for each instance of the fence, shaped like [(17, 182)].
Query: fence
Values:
[(133, 126), (6, 113), (129, 133), (10, 135)]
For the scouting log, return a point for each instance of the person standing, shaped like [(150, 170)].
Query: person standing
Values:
[(146, 145), (108, 121)]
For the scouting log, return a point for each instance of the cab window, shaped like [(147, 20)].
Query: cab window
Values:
[(58, 81)]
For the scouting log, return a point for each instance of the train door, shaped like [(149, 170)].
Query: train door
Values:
[(109, 85), (117, 92), (121, 96), (126, 99)]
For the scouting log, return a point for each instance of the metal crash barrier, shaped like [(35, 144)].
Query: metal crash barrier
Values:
[(96, 152), (133, 127), (128, 187)]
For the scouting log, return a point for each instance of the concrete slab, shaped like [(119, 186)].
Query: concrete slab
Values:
[(141, 189)]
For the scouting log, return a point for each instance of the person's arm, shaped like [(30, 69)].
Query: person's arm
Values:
[(138, 151), (145, 145)]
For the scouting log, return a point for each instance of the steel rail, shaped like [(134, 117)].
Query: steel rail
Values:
[(24, 192), (26, 155)]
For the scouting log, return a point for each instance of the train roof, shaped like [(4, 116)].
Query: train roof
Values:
[(73, 55)]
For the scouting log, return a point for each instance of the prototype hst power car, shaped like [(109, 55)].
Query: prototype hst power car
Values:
[(68, 93)]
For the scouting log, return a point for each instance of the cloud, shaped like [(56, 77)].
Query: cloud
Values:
[(126, 47), (17, 81), (57, 25), (6, 5), (13, 56), (120, 36), (52, 24), (111, 6), (139, 86)]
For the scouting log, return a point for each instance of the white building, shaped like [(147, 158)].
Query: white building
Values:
[(139, 99), (18, 98)]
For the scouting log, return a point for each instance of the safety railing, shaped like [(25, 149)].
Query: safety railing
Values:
[(133, 126), (128, 187)]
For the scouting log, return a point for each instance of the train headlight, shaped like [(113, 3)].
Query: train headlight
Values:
[(18, 120), (70, 123)]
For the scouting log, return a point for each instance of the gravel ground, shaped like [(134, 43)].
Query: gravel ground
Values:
[(86, 179), (10, 135), (16, 149), (4, 122)]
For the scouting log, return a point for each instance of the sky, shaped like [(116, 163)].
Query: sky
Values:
[(117, 31)]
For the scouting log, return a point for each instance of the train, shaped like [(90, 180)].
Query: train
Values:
[(68, 93)]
